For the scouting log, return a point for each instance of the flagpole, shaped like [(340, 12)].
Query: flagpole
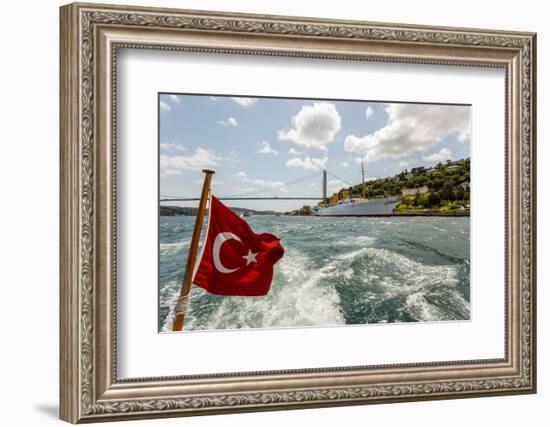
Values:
[(181, 305)]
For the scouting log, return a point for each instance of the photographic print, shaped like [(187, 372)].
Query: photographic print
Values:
[(317, 212)]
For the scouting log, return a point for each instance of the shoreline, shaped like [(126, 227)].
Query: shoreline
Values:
[(453, 214), (408, 214), (450, 214)]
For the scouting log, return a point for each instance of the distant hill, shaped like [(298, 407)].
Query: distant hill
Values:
[(186, 211)]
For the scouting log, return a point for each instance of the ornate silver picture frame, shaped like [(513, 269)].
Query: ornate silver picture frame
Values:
[(91, 36)]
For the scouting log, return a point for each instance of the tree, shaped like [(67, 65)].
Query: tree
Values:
[(424, 200), (420, 181), (436, 183), (434, 199), (447, 192)]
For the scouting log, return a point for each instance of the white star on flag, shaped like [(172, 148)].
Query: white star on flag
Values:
[(250, 257)]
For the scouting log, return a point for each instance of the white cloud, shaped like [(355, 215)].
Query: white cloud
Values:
[(247, 190), (265, 148), (344, 164), (213, 98), (293, 152), (314, 126), (261, 184), (174, 165), (309, 163), (170, 146), (412, 128), (165, 106), (265, 184), (403, 163), (231, 121), (368, 113), (245, 102), (232, 157), (441, 156)]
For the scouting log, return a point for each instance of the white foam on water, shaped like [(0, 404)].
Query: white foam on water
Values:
[(356, 241), (295, 299), (168, 296), (385, 222), (300, 295), (397, 275), (421, 309), (172, 248), (409, 272)]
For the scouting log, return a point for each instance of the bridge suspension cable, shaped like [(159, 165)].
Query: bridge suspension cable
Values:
[(284, 184), (253, 195), (248, 195), (341, 179)]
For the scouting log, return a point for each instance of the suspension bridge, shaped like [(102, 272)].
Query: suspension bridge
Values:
[(250, 196)]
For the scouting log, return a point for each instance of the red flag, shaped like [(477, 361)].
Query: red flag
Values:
[(235, 260)]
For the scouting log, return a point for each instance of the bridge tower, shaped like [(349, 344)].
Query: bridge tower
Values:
[(324, 185)]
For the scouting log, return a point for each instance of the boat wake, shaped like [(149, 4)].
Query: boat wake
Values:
[(345, 272)]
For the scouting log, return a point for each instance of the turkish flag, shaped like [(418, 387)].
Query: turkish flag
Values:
[(234, 260)]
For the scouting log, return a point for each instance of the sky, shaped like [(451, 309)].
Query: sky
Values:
[(260, 146)]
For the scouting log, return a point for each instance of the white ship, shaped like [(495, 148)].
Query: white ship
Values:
[(355, 206), (358, 207)]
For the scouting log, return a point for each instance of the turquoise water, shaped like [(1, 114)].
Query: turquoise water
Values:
[(335, 271)]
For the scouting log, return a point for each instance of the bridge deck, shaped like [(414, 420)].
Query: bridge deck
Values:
[(192, 199)]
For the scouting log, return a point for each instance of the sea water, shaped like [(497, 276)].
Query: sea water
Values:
[(335, 271)]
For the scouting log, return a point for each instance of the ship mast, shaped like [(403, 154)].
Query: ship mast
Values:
[(363, 179)]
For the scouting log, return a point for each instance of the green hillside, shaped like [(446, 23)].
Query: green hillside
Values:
[(448, 187)]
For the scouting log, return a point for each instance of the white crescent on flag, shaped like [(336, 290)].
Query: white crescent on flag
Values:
[(249, 263), (216, 248)]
